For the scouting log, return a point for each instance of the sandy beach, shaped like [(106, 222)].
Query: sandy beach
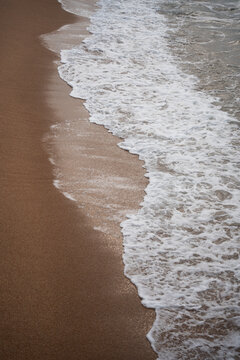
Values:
[(63, 294)]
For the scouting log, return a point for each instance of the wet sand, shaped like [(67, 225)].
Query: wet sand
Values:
[(106, 182), (62, 290)]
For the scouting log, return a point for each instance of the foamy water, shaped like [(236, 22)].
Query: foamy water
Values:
[(205, 36), (182, 247)]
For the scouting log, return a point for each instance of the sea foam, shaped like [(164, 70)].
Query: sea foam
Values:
[(181, 249)]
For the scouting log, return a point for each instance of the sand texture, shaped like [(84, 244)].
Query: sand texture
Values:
[(62, 290)]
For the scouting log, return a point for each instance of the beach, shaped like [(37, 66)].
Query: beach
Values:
[(63, 293), (170, 95), (119, 166)]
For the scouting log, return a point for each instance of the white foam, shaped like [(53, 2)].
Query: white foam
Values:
[(57, 184), (182, 247), (51, 161), (68, 196), (80, 8)]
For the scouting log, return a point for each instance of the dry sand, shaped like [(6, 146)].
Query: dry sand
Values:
[(62, 290)]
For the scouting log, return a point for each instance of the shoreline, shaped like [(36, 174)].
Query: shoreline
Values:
[(113, 182), (63, 292)]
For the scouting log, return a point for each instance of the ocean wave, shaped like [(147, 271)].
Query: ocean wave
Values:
[(182, 247)]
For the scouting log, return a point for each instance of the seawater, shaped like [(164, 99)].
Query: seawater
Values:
[(164, 76)]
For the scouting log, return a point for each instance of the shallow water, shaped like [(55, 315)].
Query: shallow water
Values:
[(153, 74), (205, 37)]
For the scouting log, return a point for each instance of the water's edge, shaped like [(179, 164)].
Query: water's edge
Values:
[(181, 246), (77, 33)]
